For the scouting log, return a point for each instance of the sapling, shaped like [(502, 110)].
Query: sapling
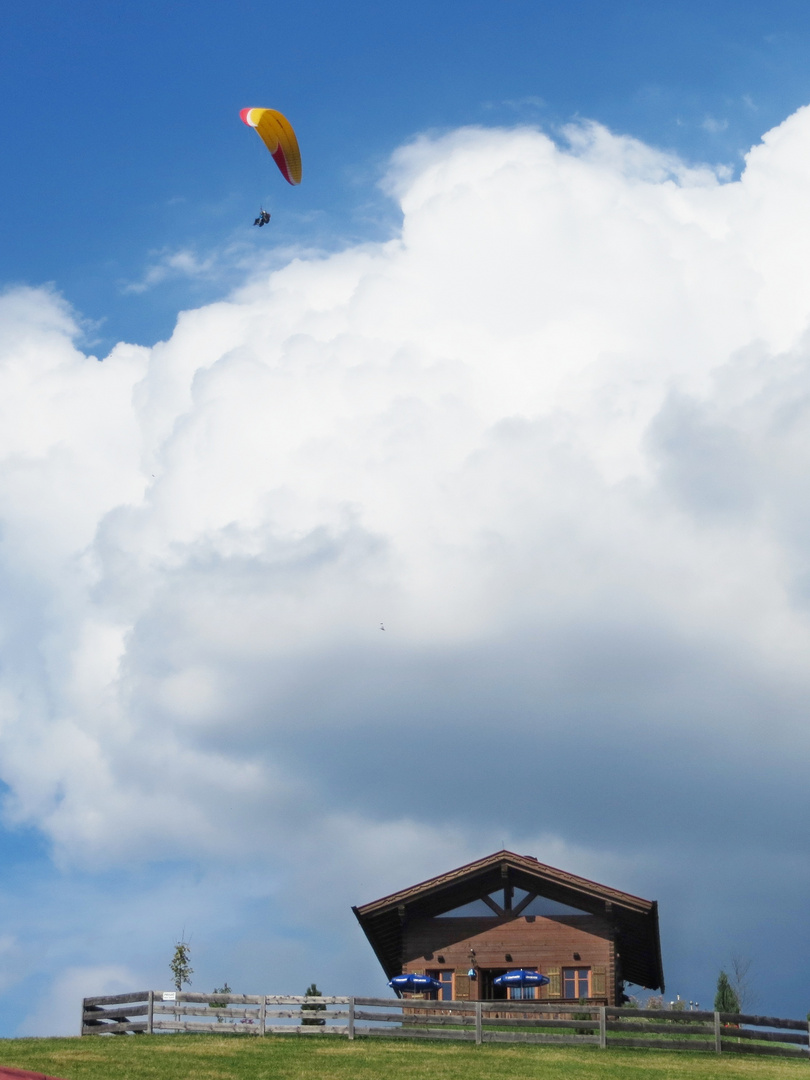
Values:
[(180, 966)]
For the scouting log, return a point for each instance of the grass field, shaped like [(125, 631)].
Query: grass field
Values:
[(201, 1057)]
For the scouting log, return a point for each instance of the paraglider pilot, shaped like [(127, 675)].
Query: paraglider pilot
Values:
[(262, 219)]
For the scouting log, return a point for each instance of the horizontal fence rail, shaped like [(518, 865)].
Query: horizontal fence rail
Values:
[(154, 1011)]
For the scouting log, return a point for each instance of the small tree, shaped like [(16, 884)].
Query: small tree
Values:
[(741, 983), (180, 966), (313, 991), (224, 989), (725, 1000)]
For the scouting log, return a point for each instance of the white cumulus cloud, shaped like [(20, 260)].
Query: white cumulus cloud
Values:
[(553, 436)]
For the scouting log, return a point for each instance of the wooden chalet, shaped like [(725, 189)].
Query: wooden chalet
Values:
[(510, 911)]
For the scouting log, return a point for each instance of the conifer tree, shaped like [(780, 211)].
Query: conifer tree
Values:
[(313, 991), (725, 1000)]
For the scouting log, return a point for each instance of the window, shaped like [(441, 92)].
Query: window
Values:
[(576, 983), (446, 979)]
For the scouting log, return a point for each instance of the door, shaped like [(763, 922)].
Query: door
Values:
[(488, 991)]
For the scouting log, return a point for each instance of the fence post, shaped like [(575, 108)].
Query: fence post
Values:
[(81, 1028), (718, 1043), (350, 1027), (150, 1013), (263, 1016), (479, 1034), (602, 1028)]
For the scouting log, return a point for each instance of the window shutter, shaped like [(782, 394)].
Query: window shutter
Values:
[(598, 982), (461, 987), (554, 982)]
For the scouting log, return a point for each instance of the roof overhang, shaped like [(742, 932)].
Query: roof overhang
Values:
[(635, 921)]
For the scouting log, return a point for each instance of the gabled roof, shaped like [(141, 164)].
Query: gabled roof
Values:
[(635, 920)]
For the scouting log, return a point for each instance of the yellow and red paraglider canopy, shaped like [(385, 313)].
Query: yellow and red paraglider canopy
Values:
[(277, 134)]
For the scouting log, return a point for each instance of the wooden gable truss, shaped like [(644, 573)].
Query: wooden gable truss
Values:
[(634, 921)]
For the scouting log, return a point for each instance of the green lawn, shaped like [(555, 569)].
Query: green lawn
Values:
[(213, 1057)]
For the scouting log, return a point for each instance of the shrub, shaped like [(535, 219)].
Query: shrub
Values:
[(224, 989), (313, 991)]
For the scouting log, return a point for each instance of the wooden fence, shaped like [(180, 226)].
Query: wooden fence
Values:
[(470, 1021)]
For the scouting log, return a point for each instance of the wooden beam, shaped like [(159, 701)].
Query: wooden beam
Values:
[(524, 903), (492, 904)]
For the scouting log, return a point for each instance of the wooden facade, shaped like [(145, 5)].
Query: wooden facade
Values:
[(510, 911)]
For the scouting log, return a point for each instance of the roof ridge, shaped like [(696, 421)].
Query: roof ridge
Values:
[(563, 876)]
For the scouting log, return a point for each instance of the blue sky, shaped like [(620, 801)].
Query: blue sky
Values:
[(125, 136), (520, 370)]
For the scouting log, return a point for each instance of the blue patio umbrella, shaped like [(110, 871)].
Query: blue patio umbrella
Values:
[(521, 978), (414, 984)]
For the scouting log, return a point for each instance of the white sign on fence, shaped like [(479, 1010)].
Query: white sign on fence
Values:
[(170, 995)]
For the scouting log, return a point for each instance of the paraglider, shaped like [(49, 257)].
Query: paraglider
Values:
[(276, 132)]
